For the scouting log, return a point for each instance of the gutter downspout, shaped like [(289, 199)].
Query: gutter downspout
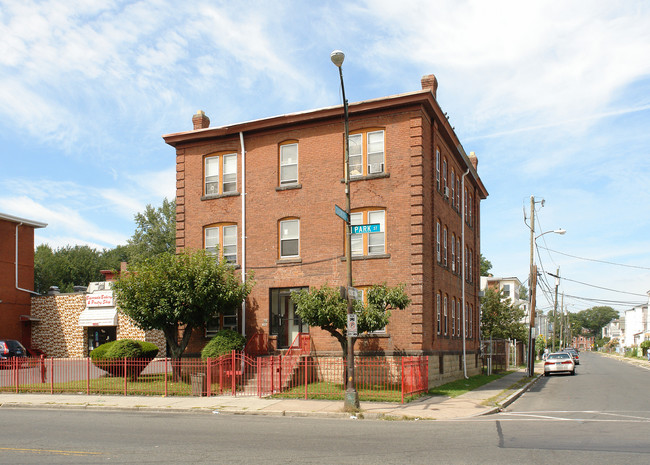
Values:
[(243, 229), (20, 288), (464, 309)]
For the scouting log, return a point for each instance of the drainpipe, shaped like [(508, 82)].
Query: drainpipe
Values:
[(464, 309), (20, 288), (243, 229)]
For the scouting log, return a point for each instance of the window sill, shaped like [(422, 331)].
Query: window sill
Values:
[(367, 257), (288, 187), (219, 196), (368, 177), (287, 261)]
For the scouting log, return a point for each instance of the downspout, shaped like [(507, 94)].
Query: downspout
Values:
[(464, 309), (20, 288), (243, 229)]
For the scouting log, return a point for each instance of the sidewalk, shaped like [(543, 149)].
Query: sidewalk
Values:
[(484, 400)]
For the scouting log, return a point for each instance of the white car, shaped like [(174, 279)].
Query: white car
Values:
[(559, 362)]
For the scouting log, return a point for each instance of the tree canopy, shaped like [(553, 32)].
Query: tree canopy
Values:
[(486, 266), (594, 319), (155, 232), (500, 319), (169, 292), (326, 308)]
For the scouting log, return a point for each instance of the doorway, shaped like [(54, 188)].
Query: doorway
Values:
[(285, 323), (98, 335)]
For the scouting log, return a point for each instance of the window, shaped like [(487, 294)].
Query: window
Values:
[(438, 312), (222, 239), (471, 322), (289, 238), (465, 199), (457, 193), (289, 163), (458, 256), (470, 210), (444, 245), (366, 153), (469, 260), (453, 316), (438, 169), (370, 243), (453, 252), (458, 316), (444, 310), (444, 176), (453, 189), (226, 321), (438, 240), (506, 290), (220, 174)]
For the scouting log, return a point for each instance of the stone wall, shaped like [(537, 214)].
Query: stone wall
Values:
[(58, 334)]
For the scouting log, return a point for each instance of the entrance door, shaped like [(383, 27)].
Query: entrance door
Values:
[(285, 323), (98, 335)]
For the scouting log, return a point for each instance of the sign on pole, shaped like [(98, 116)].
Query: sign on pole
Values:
[(341, 213), (352, 324), (366, 228), (354, 293)]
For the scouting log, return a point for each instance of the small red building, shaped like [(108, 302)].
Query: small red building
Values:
[(16, 277)]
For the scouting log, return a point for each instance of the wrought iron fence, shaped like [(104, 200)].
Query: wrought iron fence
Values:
[(237, 374)]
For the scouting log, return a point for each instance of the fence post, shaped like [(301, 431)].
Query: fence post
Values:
[(52, 376), (402, 379), (208, 375), (124, 375), (88, 376), (233, 365), (42, 367), (259, 376), (305, 364), (14, 370), (166, 375)]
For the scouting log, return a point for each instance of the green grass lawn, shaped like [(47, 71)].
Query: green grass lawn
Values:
[(461, 386)]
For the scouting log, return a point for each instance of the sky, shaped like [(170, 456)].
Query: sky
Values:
[(553, 97)]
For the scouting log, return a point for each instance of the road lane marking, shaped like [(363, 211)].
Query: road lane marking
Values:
[(50, 451)]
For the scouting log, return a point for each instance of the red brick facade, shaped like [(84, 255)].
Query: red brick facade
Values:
[(414, 128), (15, 298)]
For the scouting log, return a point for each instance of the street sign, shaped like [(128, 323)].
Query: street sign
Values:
[(366, 228), (354, 293), (341, 213), (352, 324)]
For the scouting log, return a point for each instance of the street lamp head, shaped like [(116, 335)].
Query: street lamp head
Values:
[(560, 231), (337, 58)]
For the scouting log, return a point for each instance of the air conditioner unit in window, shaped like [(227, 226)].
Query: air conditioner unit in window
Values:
[(376, 168), (446, 192)]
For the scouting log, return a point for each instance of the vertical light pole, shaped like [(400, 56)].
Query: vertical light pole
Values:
[(351, 396)]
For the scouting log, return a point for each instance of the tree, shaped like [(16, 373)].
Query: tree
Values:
[(169, 292), (594, 319), (326, 308), (500, 319), (486, 266), (155, 232)]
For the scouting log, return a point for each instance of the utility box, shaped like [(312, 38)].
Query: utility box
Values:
[(199, 387)]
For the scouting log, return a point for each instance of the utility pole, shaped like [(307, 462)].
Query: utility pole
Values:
[(557, 284), (531, 281)]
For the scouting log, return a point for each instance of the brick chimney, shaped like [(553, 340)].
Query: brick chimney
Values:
[(430, 82), (200, 120), (474, 160)]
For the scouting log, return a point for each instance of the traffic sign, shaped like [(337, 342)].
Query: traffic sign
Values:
[(352, 324), (354, 293), (341, 213), (366, 228)]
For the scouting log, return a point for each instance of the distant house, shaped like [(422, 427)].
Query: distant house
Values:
[(637, 326), (16, 277)]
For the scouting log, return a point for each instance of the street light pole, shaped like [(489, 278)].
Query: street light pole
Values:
[(351, 395)]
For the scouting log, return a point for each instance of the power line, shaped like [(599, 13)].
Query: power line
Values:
[(599, 287), (609, 302), (599, 261)]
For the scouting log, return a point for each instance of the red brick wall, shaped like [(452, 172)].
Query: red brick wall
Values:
[(14, 302)]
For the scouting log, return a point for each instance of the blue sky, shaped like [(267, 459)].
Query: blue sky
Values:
[(554, 98)]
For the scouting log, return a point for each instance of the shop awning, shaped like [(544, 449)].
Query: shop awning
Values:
[(103, 316)]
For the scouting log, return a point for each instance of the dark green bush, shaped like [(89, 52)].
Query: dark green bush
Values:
[(110, 356), (224, 342)]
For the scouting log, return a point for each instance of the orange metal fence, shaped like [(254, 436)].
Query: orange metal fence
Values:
[(297, 375)]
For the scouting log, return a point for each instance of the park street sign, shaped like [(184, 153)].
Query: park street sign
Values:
[(341, 213), (365, 228)]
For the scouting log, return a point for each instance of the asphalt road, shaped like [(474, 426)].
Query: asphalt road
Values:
[(601, 415)]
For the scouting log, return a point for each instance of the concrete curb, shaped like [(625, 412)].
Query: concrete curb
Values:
[(511, 398)]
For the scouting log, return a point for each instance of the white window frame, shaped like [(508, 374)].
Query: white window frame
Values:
[(369, 154), (286, 235), (214, 240), (444, 245), (360, 155), (284, 166), (438, 303), (438, 169), (445, 314), (361, 247), (210, 165), (232, 174), (438, 253), (220, 178), (453, 316)]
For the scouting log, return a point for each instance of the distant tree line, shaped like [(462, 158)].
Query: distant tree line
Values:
[(79, 265)]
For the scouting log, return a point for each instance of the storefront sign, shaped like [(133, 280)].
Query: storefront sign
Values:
[(100, 299)]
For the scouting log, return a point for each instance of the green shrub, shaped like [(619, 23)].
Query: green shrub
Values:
[(224, 342), (110, 357), (645, 345)]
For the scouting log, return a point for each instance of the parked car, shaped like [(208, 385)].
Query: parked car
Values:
[(574, 353), (559, 362), (10, 348)]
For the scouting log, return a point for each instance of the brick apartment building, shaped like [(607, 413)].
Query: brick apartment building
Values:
[(264, 192), (16, 277)]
